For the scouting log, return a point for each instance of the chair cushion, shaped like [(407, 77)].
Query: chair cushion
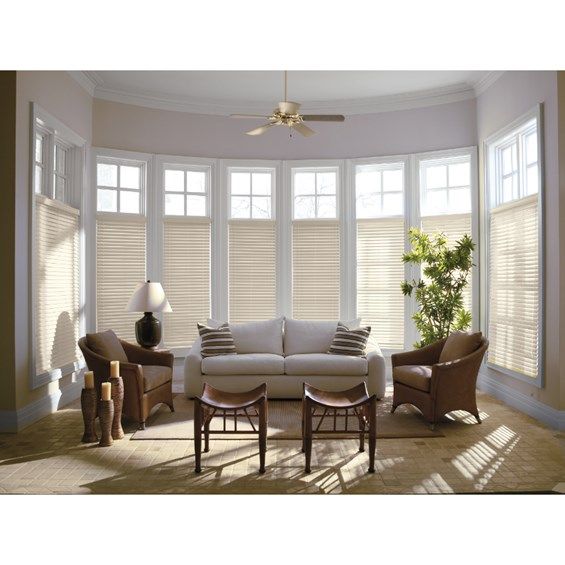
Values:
[(217, 340), (265, 336), (311, 336), (415, 376), (460, 344), (349, 342), (156, 375), (325, 364), (107, 345), (244, 364)]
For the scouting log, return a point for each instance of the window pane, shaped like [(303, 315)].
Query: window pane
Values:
[(59, 188), (436, 202), (327, 207), (304, 183), (261, 207), (107, 200), (436, 177), (460, 174), (326, 183), (195, 205), (240, 183), (174, 205), (532, 180), (508, 160), (368, 205), (240, 206), (460, 200), (367, 182), (304, 207), (129, 202), (60, 158), (174, 180), (107, 174), (39, 149), (392, 204), (38, 181), (392, 180), (195, 181), (129, 176), (507, 189), (261, 183), (531, 148)]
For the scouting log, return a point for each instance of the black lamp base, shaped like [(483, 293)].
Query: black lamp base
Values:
[(148, 330)]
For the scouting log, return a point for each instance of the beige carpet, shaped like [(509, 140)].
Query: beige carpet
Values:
[(284, 422)]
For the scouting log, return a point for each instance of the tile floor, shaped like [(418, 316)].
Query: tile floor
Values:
[(508, 452)]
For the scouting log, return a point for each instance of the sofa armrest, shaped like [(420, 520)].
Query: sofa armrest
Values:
[(142, 356), (376, 377), (193, 371)]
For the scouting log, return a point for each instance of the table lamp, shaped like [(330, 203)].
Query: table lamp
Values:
[(148, 297)]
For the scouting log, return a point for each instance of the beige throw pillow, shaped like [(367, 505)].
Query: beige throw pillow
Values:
[(460, 344)]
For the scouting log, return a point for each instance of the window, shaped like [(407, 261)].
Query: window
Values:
[(379, 195), (186, 250), (514, 239), (119, 186), (40, 161), (60, 170), (316, 253), (252, 245)]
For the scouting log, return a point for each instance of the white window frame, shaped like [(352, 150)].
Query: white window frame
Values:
[(256, 169), (317, 167), (492, 198), (53, 129), (165, 164)]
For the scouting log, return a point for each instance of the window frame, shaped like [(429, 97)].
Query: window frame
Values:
[(272, 170), (491, 178), (310, 167), (166, 165)]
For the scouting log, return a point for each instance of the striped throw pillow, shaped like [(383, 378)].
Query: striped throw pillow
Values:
[(349, 342), (216, 341)]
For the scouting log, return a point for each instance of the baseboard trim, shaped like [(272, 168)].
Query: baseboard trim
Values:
[(530, 406)]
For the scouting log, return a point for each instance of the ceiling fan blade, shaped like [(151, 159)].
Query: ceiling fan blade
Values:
[(259, 130), (323, 118), (247, 116), (304, 130)]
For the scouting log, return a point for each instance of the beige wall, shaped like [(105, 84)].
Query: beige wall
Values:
[(7, 235), (61, 96), (561, 158)]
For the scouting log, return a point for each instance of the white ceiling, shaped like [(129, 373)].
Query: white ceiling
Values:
[(224, 92)]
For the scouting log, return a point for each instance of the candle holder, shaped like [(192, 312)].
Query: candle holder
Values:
[(106, 415), (118, 400), (88, 405)]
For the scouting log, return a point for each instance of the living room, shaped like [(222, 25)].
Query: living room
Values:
[(209, 272)]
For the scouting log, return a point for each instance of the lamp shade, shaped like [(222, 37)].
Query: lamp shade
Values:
[(148, 297)]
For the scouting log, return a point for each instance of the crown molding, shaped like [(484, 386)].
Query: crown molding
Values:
[(485, 82), (89, 80)]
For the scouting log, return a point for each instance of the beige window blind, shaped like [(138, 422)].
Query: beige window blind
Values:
[(380, 270), (120, 265), (186, 278), (57, 285), (252, 270), (513, 286), (316, 270), (454, 226)]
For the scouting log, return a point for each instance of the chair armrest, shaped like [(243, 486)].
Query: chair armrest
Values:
[(193, 370), (142, 356), (428, 355), (134, 389), (376, 377)]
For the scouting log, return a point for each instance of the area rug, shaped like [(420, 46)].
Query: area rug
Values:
[(284, 422)]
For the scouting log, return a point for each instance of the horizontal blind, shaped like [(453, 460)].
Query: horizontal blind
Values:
[(315, 270), (57, 285), (120, 265), (513, 286), (454, 226), (252, 270), (186, 278), (380, 270)]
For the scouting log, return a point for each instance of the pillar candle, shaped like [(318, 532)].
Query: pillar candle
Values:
[(106, 391), (114, 368), (89, 379)]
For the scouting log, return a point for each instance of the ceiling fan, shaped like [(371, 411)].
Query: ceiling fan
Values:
[(287, 114)]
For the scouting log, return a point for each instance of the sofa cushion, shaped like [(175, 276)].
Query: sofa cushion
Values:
[(349, 342), (244, 364), (460, 344), (415, 376), (257, 337), (107, 345), (311, 336), (325, 364), (216, 340), (156, 375)]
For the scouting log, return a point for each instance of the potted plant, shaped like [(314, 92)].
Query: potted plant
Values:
[(439, 292)]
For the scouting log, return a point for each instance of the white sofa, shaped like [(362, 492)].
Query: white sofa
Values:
[(284, 360)]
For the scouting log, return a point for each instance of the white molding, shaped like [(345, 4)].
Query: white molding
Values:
[(485, 82), (88, 80), (530, 406)]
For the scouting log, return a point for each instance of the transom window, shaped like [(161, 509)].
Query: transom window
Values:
[(60, 170), (119, 187), (445, 186), (379, 190), (314, 193), (40, 162), (186, 191), (251, 193)]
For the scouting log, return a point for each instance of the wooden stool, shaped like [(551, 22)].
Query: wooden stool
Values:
[(321, 403), (218, 403)]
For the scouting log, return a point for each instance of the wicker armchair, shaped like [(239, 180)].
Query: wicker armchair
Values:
[(433, 387), (147, 375)]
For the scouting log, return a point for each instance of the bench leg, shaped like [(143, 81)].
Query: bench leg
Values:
[(197, 435), (372, 433), (307, 434), (262, 435)]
